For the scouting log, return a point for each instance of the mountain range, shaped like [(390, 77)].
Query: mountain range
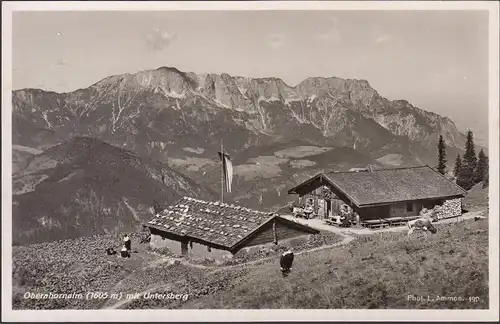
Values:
[(276, 134)]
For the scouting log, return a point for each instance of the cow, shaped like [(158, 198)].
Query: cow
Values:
[(479, 217), (422, 223), (286, 262)]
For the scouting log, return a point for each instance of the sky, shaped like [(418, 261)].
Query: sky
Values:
[(437, 60)]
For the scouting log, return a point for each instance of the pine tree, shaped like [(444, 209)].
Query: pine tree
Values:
[(458, 165), (470, 153), (465, 177), (441, 167), (481, 168)]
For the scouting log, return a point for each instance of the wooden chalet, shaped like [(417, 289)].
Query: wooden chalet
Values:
[(379, 197), (217, 230)]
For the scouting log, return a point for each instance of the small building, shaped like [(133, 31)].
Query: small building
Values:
[(381, 194), (216, 230)]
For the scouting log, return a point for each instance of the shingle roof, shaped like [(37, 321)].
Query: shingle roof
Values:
[(391, 185), (211, 222)]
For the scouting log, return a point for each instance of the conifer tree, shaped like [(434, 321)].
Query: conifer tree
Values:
[(465, 177), (470, 151), (441, 167), (458, 165), (481, 168)]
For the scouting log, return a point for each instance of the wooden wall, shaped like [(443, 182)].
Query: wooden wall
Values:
[(192, 249), (374, 212), (283, 232), (397, 210), (320, 196)]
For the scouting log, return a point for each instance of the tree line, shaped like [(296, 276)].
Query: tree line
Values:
[(469, 169)]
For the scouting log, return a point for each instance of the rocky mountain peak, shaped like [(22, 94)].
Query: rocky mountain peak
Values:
[(151, 101)]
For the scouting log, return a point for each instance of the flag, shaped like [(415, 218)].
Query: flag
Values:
[(227, 167)]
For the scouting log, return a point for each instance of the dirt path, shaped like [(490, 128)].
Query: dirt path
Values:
[(346, 240), (346, 234), (320, 225)]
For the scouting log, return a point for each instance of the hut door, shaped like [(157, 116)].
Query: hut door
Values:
[(328, 207)]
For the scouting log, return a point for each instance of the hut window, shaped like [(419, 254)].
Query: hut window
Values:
[(209, 249), (191, 244), (409, 207)]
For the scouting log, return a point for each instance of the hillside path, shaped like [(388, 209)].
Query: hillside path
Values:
[(320, 225), (346, 240), (345, 233)]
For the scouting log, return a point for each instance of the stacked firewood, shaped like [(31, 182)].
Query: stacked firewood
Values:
[(450, 208)]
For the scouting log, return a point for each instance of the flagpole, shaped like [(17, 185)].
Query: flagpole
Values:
[(222, 172)]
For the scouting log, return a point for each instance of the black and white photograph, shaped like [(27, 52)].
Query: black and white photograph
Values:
[(329, 158)]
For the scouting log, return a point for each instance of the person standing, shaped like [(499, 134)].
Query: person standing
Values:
[(127, 243)]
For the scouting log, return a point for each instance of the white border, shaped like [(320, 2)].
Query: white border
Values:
[(237, 315)]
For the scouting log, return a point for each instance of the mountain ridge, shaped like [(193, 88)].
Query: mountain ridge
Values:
[(179, 118), (241, 94)]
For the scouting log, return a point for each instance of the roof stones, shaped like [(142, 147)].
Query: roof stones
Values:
[(216, 222)]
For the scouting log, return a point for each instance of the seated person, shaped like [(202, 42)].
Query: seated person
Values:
[(336, 218), (344, 219), (297, 211), (110, 251), (308, 211)]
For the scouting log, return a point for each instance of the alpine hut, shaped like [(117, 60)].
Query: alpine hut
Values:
[(218, 230), (378, 197)]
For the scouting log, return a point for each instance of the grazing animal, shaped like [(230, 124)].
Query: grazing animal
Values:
[(286, 262), (424, 224)]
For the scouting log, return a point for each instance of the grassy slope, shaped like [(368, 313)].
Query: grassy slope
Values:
[(376, 271), (477, 198)]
